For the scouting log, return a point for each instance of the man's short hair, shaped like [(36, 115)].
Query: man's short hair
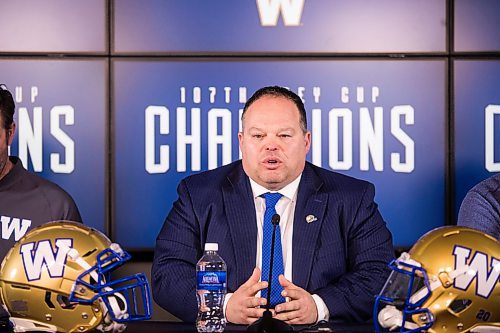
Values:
[(277, 91), (7, 107)]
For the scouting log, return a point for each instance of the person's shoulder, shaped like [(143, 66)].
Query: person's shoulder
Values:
[(485, 194), (31, 180), (215, 176), (489, 185), (49, 187), (336, 180)]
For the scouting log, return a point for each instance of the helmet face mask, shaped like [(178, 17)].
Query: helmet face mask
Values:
[(447, 283), (123, 297), (402, 296), (58, 278)]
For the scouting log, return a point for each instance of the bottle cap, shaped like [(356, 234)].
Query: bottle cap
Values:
[(211, 247)]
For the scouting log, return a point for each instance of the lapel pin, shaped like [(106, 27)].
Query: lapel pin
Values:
[(311, 218)]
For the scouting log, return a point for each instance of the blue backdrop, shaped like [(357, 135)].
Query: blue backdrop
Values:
[(477, 107), (161, 26), (332, 87), (413, 102), (61, 109)]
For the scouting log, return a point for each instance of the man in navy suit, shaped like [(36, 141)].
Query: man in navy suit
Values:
[(335, 244)]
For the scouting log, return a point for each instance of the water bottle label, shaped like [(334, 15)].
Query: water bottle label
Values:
[(211, 280)]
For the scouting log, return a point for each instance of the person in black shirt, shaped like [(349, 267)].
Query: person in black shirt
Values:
[(26, 200)]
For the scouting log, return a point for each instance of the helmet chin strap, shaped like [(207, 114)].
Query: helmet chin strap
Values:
[(485, 329), (110, 325), (390, 317), (27, 325)]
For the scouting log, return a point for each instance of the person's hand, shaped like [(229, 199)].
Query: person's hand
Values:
[(243, 306), (301, 309)]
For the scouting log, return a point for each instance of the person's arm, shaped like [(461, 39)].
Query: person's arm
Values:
[(173, 273), (369, 246)]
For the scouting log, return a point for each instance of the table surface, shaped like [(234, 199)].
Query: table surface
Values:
[(167, 327)]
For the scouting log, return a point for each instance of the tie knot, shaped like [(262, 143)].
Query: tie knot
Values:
[(271, 199)]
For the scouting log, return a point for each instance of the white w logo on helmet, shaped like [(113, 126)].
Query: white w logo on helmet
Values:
[(38, 255), (487, 275)]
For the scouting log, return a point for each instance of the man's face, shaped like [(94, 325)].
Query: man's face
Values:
[(272, 143)]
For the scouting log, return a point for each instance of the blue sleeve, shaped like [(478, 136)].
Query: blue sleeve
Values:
[(173, 273), (351, 298)]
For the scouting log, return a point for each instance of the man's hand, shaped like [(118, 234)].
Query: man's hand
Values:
[(243, 306), (301, 309)]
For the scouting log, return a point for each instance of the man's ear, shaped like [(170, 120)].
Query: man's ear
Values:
[(10, 133)]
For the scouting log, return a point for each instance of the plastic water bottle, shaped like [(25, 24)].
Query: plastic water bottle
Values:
[(210, 290)]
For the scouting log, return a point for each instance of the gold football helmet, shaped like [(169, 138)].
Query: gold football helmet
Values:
[(448, 282), (57, 278)]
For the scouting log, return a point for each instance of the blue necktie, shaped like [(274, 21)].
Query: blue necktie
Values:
[(276, 298)]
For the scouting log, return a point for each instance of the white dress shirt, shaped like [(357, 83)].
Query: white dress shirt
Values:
[(285, 207)]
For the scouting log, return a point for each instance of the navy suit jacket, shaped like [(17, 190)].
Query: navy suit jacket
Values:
[(342, 256)]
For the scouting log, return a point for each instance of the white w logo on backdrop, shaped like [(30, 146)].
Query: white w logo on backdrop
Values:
[(14, 226), (43, 255), (269, 12), (478, 268)]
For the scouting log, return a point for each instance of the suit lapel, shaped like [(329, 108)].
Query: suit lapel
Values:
[(311, 205), (240, 208)]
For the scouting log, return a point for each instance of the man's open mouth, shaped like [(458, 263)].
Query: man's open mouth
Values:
[(272, 162)]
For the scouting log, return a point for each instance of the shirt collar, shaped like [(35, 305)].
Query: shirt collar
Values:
[(287, 191)]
